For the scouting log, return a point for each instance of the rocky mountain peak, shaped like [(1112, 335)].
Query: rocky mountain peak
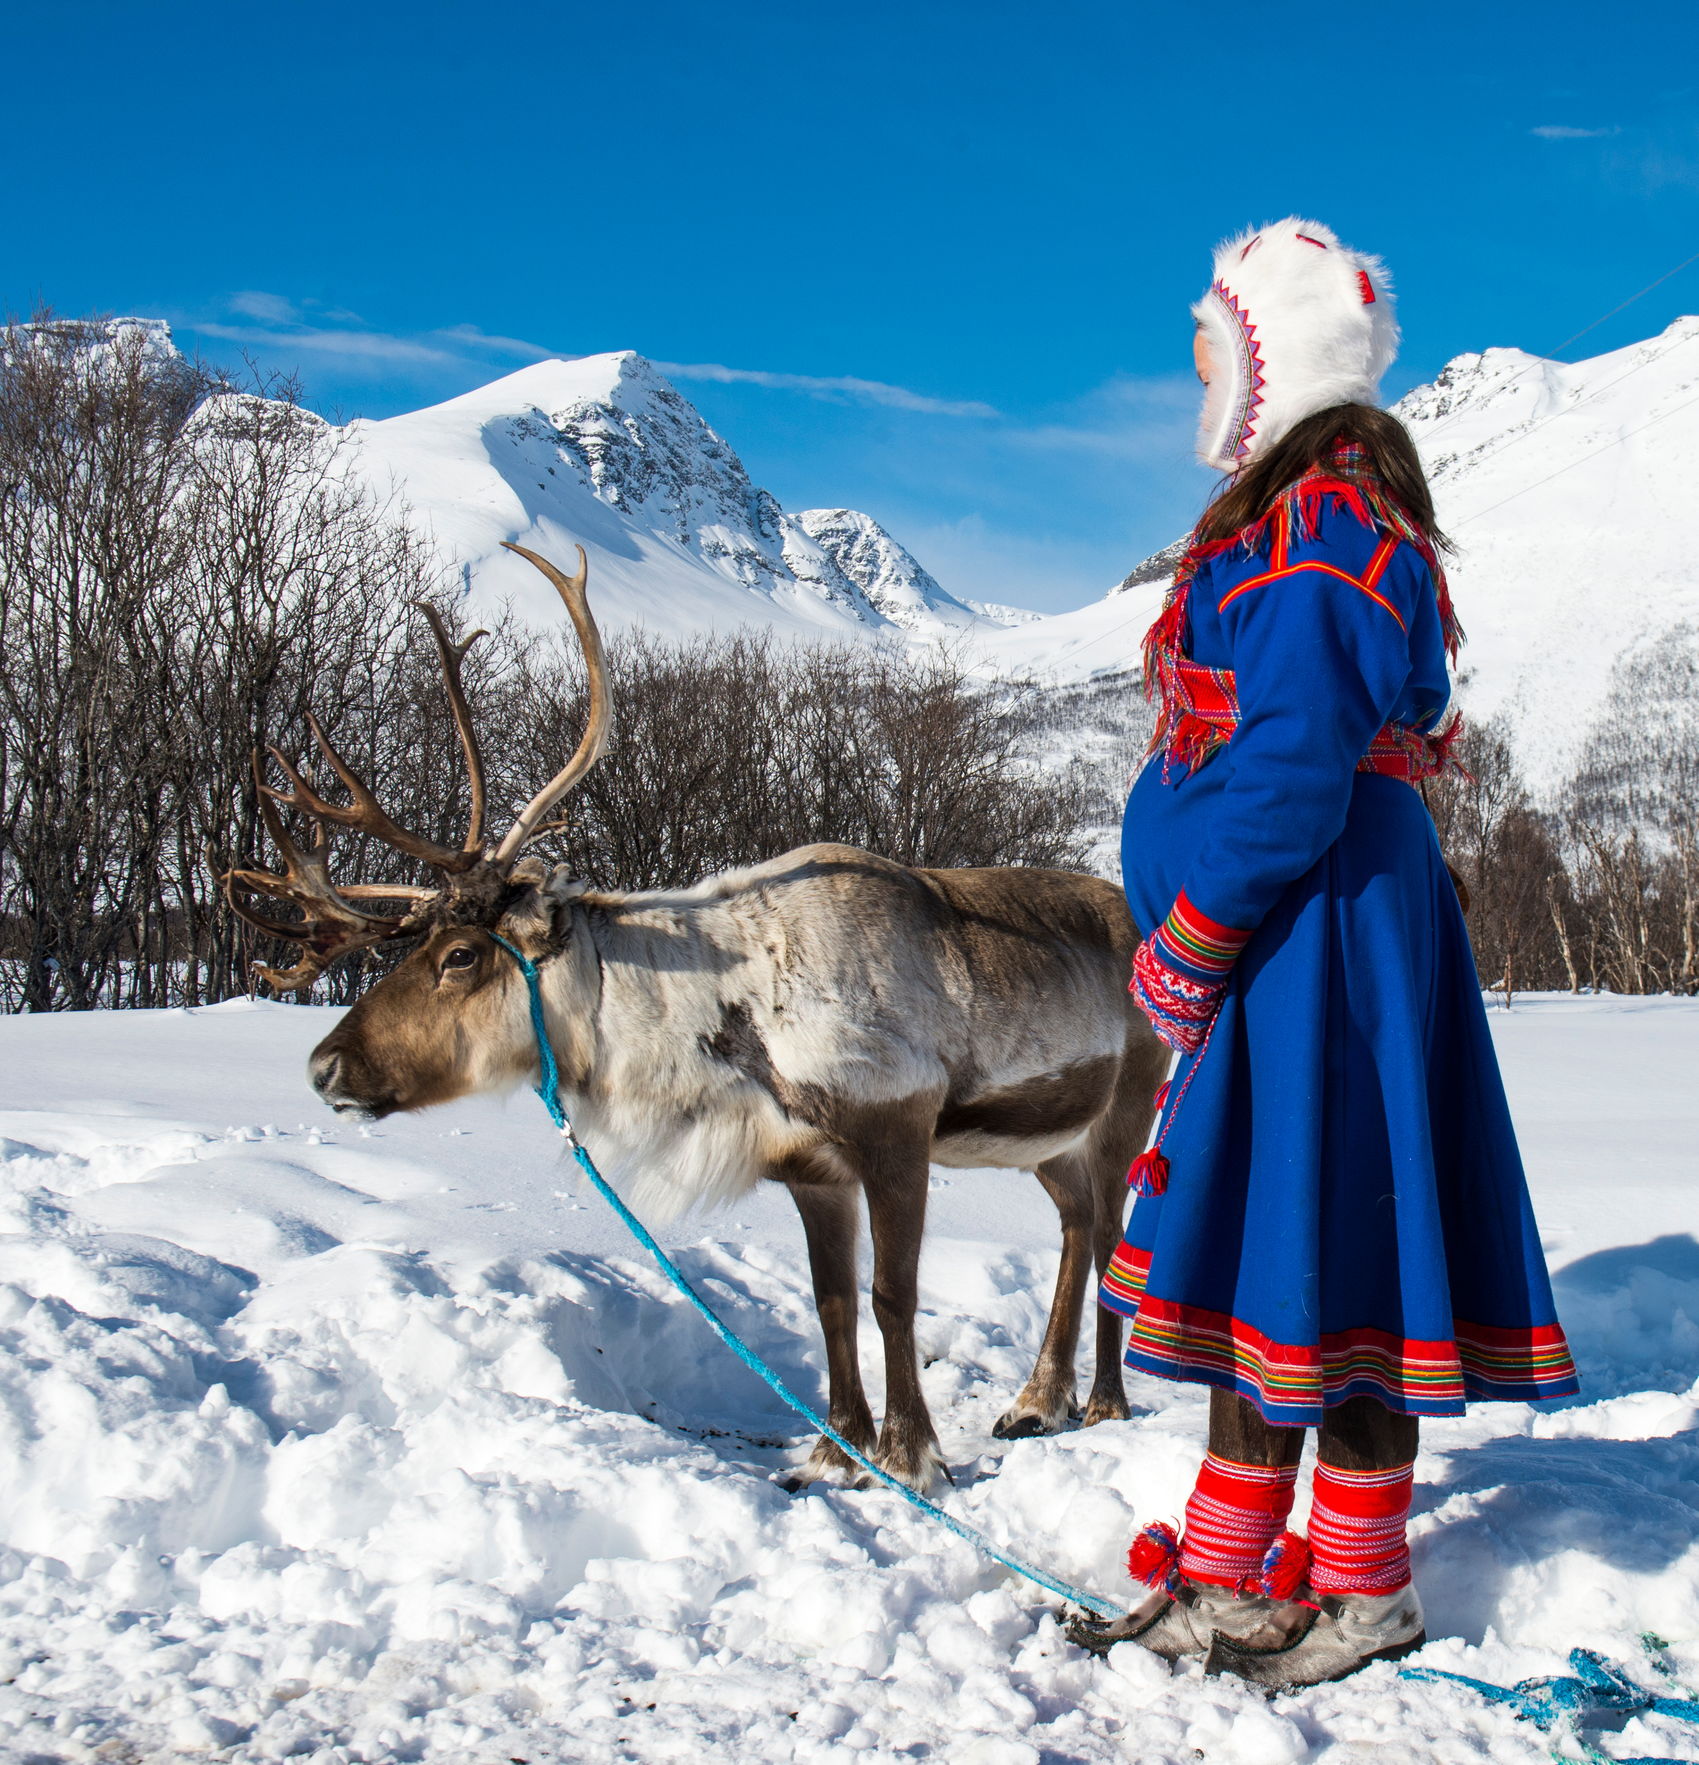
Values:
[(886, 573), (607, 450)]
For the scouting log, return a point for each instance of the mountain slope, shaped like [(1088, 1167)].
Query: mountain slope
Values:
[(604, 452), (1568, 489)]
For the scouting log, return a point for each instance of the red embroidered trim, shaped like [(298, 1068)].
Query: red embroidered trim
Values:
[(1209, 717), (1358, 1520), (1251, 375), (1347, 483), (1235, 1514), (1359, 582)]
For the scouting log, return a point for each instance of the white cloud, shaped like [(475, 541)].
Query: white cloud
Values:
[(830, 386), (280, 323), (322, 340), (473, 338), (1565, 132), (1149, 419), (269, 309)]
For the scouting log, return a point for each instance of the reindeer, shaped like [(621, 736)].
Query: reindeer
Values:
[(828, 1020)]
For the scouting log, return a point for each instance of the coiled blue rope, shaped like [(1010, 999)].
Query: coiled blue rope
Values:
[(1597, 1689), (549, 1091)]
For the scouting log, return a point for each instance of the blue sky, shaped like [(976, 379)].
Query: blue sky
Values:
[(929, 260)]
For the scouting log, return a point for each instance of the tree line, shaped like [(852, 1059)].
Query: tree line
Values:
[(1600, 888), (189, 564)]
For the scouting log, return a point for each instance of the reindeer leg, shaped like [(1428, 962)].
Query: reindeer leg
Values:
[(1047, 1399), (1116, 1139), (894, 1177), (830, 1221), (1108, 1399)]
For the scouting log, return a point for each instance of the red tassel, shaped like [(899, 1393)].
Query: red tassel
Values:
[(1285, 1567), (1161, 1097), (1148, 1174), (1155, 1556)]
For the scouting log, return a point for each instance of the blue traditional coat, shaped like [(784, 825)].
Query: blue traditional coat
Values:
[(1346, 1212)]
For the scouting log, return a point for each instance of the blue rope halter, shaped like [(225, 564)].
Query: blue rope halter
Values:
[(549, 1091)]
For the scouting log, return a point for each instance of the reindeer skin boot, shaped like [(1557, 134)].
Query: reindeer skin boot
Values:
[(1350, 1632), (1191, 1619)]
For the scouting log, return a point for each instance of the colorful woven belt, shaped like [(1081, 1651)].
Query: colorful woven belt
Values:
[(1208, 704)]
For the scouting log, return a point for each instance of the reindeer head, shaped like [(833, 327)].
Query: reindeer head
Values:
[(453, 1018)]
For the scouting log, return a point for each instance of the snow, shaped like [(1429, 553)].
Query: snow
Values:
[(886, 572), (380, 1444), (1566, 488), (604, 452)]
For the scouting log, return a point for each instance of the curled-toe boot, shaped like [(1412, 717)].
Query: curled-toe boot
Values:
[(1350, 1631), (1189, 1621)]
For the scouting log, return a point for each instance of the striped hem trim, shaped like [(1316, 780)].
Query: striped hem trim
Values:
[(1290, 1382)]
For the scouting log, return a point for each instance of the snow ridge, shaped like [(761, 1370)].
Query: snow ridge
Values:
[(1566, 488), (606, 453), (379, 1444)]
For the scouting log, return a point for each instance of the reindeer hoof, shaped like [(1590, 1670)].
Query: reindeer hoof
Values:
[(826, 1458), (1106, 1409), (919, 1470), (1027, 1424), (921, 1484), (1013, 1427)]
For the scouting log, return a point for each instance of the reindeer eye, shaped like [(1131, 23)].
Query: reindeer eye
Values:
[(461, 956)]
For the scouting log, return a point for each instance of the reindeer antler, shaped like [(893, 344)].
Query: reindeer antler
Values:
[(331, 925), (599, 724), (474, 877)]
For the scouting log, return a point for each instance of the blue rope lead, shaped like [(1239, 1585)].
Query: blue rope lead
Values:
[(549, 1091), (1597, 1690)]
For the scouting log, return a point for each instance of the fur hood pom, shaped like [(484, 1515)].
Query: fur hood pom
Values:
[(1296, 321)]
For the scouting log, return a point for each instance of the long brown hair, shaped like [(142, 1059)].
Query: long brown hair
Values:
[(1390, 456)]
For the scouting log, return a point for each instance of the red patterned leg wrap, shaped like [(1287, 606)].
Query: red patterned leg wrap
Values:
[(1236, 1514), (1357, 1530)]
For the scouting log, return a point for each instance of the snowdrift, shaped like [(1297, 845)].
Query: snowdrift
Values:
[(372, 1445)]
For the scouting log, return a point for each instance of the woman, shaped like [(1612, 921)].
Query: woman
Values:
[(1333, 1231)]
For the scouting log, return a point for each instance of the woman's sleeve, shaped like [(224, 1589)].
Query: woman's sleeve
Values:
[(1320, 655)]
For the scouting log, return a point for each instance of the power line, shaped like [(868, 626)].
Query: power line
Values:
[(1550, 355), (1586, 399), (1615, 441)]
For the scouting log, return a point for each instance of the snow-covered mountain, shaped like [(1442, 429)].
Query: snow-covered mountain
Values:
[(1568, 489), (606, 453)]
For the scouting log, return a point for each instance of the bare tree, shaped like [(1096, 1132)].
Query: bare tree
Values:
[(185, 560), (179, 560), (1504, 851)]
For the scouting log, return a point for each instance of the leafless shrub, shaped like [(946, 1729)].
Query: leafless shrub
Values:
[(1603, 891), (181, 565), (186, 565), (1503, 850), (728, 750)]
